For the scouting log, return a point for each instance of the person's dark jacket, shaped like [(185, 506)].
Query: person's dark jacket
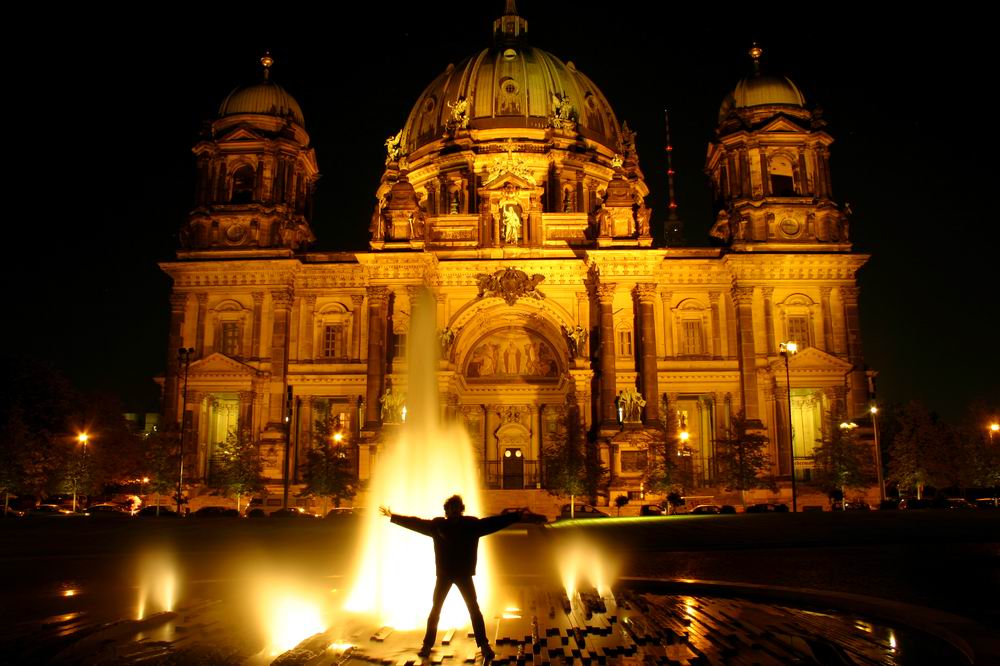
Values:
[(456, 540)]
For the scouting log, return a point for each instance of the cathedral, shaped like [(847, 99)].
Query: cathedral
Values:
[(514, 194)]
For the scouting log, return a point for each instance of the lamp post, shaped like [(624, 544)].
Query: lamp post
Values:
[(787, 350), (993, 429), (878, 455), (847, 426), (82, 438), (184, 356)]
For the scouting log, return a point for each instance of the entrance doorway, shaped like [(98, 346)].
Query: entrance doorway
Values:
[(513, 469)]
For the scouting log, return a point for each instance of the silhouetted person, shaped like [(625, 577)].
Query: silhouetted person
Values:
[(456, 544)]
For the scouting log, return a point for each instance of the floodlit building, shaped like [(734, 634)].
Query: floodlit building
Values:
[(514, 192)]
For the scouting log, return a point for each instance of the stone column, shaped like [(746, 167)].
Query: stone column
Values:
[(378, 297), (713, 303), (606, 298), (246, 412), (769, 320), (258, 314), (175, 340), (199, 331), (747, 351), (307, 332), (583, 317), (668, 323), (194, 458), (858, 397), (827, 343), (649, 379), (357, 300), (765, 180), (281, 301)]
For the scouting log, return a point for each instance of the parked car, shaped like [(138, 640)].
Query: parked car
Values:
[(960, 503), (727, 509), (345, 513), (852, 505), (986, 503), (767, 508), (11, 512), (216, 512), (108, 511), (706, 509), (527, 515), (292, 512), (912, 503), (256, 512), (652, 510), (580, 511), (150, 512), (54, 511)]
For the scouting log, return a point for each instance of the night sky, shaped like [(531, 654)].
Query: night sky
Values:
[(100, 122)]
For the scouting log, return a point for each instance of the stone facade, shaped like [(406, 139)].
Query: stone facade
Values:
[(527, 221)]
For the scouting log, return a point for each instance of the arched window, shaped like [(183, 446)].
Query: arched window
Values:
[(243, 184), (782, 176)]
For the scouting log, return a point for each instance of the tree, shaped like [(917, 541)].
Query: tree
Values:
[(329, 469), (663, 475), (572, 464), (842, 461), (241, 471), (621, 501), (742, 458), (917, 449), (159, 463)]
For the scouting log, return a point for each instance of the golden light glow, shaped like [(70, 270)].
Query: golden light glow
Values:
[(428, 462), (892, 640), (338, 437), (685, 435), (511, 613), (788, 348), (70, 593), (291, 620), (584, 561), (995, 427), (83, 438), (874, 409), (158, 586)]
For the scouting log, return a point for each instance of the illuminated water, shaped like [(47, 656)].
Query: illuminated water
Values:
[(429, 461)]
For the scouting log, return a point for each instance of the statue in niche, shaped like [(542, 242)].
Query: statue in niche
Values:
[(630, 404), (393, 147), (577, 337), (569, 201), (453, 203), (642, 219), (721, 229), (511, 225), (392, 406), (604, 220), (447, 339)]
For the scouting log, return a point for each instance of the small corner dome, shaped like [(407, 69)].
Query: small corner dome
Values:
[(762, 90), (262, 98)]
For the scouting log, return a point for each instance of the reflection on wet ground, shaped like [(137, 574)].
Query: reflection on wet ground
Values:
[(232, 591)]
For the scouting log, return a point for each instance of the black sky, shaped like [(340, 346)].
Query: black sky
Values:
[(101, 119)]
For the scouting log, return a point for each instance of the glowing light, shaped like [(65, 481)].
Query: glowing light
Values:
[(339, 647), (291, 620), (158, 586), (892, 640), (874, 409), (685, 435), (511, 613), (788, 348), (338, 437), (428, 461), (83, 438), (995, 427), (70, 593), (583, 561)]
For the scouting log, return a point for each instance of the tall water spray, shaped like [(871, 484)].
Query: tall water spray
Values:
[(416, 471)]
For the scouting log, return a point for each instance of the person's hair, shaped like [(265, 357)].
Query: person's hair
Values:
[(454, 504)]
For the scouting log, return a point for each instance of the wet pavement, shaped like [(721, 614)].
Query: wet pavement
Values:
[(74, 589)]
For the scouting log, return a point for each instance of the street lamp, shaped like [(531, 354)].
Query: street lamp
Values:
[(994, 429), (82, 438), (183, 356), (787, 350), (878, 455)]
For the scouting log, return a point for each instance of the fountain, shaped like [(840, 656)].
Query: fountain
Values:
[(426, 462)]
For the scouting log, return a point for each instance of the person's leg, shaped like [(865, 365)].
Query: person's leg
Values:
[(468, 590), (441, 588)]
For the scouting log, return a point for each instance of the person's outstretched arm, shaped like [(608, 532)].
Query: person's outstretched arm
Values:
[(420, 525), (492, 524)]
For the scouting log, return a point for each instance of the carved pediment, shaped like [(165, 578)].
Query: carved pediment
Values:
[(509, 175), (241, 134), (220, 364), (812, 361), (509, 284), (783, 124)]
